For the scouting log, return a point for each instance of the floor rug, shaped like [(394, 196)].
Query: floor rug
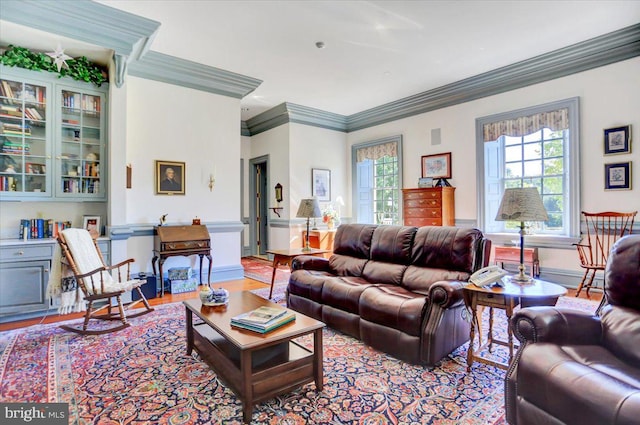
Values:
[(142, 375), (261, 270)]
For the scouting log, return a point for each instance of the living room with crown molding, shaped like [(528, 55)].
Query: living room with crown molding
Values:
[(135, 133)]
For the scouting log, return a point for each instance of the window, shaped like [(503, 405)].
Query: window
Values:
[(377, 181), (536, 147)]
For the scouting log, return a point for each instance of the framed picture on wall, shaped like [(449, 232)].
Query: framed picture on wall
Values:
[(437, 166), (617, 140), (321, 184), (617, 176), (170, 178)]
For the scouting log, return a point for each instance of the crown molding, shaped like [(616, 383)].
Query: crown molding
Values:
[(290, 112), (173, 70), (599, 51), (126, 34), (596, 52)]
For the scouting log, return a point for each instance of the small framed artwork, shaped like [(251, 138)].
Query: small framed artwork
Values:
[(170, 178), (617, 176), (92, 224), (33, 168), (437, 166), (425, 182), (321, 184), (617, 140)]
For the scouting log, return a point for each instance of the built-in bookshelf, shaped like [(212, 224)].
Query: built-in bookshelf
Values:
[(52, 137)]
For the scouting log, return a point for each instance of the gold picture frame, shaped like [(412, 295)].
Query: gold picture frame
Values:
[(170, 177)]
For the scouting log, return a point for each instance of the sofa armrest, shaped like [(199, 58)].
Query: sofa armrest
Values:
[(310, 262), (556, 325), (447, 293)]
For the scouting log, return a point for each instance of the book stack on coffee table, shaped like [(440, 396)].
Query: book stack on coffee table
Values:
[(263, 319)]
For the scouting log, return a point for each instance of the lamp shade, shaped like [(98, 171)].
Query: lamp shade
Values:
[(522, 204), (309, 208)]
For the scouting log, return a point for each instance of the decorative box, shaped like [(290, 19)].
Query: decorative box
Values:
[(178, 286), (179, 273)]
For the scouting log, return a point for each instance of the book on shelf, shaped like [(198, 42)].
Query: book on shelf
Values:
[(263, 319), (41, 228)]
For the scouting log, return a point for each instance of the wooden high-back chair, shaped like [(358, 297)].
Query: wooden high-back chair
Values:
[(81, 253), (602, 231)]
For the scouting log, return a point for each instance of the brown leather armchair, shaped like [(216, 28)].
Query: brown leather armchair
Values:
[(577, 368)]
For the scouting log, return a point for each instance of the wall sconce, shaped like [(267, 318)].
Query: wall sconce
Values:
[(278, 193), (212, 182)]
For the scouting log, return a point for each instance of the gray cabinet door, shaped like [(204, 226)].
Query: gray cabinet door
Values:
[(23, 285)]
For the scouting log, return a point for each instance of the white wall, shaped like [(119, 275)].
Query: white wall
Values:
[(609, 97), (314, 147), (275, 143), (173, 123)]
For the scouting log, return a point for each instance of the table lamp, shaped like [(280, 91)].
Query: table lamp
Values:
[(309, 208), (521, 204)]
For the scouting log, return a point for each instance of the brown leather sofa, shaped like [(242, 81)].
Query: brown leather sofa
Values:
[(578, 368), (397, 288)]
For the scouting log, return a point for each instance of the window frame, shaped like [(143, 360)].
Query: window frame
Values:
[(572, 181), (354, 173)]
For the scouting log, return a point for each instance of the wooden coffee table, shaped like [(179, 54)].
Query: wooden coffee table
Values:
[(286, 256), (256, 367)]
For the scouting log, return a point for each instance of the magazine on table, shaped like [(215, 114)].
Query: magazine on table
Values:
[(261, 315), (263, 319)]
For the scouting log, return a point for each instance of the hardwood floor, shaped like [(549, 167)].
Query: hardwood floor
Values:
[(232, 285)]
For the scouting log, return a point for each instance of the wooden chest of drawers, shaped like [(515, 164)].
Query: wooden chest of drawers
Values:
[(432, 206)]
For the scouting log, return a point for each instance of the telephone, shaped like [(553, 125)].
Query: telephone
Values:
[(488, 275)]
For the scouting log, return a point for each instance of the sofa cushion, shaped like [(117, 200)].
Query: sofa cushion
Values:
[(621, 332), (390, 254), (344, 292), (421, 278), (392, 244), (622, 275), (307, 283), (447, 248), (588, 376), (344, 265), (394, 307), (353, 240)]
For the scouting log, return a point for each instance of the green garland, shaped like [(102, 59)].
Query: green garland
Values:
[(79, 69)]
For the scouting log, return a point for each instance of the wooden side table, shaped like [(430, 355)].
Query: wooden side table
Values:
[(511, 254), (506, 298), (320, 239), (286, 256)]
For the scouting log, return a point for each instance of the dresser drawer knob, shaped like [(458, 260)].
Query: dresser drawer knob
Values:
[(20, 252)]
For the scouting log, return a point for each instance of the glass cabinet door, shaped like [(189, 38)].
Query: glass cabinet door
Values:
[(24, 154), (81, 144)]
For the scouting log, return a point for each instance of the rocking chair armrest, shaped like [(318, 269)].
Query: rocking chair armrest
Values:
[(91, 273), (120, 264)]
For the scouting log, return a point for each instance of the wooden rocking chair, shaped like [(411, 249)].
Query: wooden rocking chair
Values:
[(80, 252), (602, 231)]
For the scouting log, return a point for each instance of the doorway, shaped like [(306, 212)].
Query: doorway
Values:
[(258, 227)]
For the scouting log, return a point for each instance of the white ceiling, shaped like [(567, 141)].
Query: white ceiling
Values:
[(376, 51)]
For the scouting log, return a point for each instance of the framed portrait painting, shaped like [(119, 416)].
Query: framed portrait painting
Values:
[(437, 166), (321, 184), (170, 178), (617, 176), (617, 140)]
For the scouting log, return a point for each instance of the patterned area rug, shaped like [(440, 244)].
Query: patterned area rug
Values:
[(261, 270), (142, 375)]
